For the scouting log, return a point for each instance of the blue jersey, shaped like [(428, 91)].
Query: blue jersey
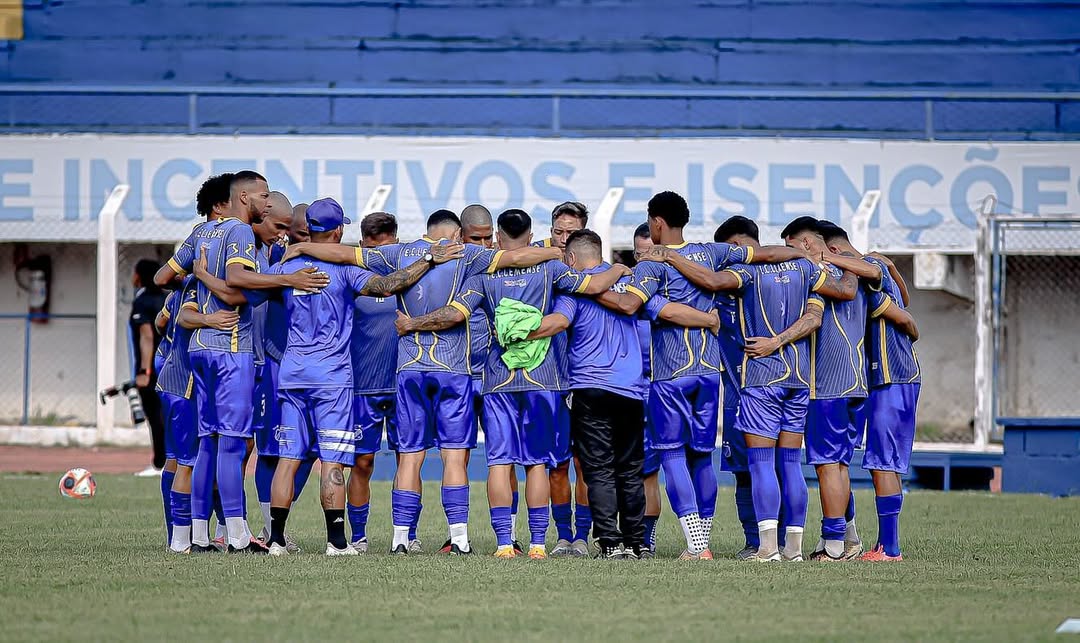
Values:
[(479, 331), (678, 351), (317, 354), (534, 286), (446, 350), (644, 333), (837, 356), (730, 338), (774, 296), (374, 345), (259, 300), (603, 347), (545, 243), (277, 321), (227, 241), (891, 353), (170, 309), (183, 259), (175, 375)]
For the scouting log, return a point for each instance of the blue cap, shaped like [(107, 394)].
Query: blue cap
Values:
[(325, 215)]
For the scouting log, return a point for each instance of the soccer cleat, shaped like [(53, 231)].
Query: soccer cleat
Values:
[(822, 556), (766, 557), (687, 555), (291, 546), (517, 546), (361, 546), (253, 547), (746, 553), (505, 552), (400, 550), (278, 550), (415, 546), (563, 548), (797, 558), (186, 550), (334, 551), (641, 553), (537, 552), (610, 553), (706, 555), (445, 549), (203, 549), (219, 544), (853, 549), (878, 555), (580, 548)]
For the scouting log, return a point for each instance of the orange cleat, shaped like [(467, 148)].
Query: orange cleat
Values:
[(505, 552), (878, 555)]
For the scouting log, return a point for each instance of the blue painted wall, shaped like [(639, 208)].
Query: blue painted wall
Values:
[(632, 43)]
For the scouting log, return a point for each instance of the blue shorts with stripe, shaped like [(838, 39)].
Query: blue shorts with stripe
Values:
[(767, 411), (435, 409), (832, 428), (372, 413), (563, 443), (181, 431), (651, 464), (890, 427), (317, 422), (267, 408), (224, 384), (682, 413), (520, 428)]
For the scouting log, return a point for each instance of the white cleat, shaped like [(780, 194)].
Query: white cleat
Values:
[(361, 546), (290, 544), (797, 558), (334, 551), (564, 548), (278, 550), (415, 546), (853, 549), (764, 557)]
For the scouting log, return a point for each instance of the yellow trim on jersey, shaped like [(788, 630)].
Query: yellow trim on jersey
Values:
[(584, 284), (689, 353), (737, 276), (525, 374), (419, 352), (428, 239), (190, 305), (880, 310), (242, 261), (494, 265), (884, 352), (359, 259), (458, 306), (813, 365), (431, 349), (851, 351), (641, 295), (165, 312), (798, 371), (816, 302), (918, 367), (175, 265), (749, 254), (701, 357), (234, 340), (742, 330), (190, 385), (678, 245), (820, 281), (508, 380)]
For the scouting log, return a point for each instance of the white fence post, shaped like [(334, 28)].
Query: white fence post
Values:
[(860, 221), (605, 212), (984, 346), (106, 308)]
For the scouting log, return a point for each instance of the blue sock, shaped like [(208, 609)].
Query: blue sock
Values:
[(583, 522), (849, 515), (793, 484), (358, 520), (500, 524), (650, 531), (833, 528), (563, 516), (416, 518), (514, 503), (230, 475), (680, 487), (744, 506), (705, 485), (166, 499), (404, 506), (204, 498), (264, 476), (888, 512), (303, 473), (538, 525), (765, 488), (455, 502), (181, 508)]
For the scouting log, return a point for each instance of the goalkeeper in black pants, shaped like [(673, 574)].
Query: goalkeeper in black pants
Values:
[(144, 340)]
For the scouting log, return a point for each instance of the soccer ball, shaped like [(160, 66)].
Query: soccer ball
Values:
[(78, 484)]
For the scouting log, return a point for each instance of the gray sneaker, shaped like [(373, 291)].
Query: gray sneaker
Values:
[(415, 546), (579, 548), (361, 546), (747, 553), (563, 549), (853, 549)]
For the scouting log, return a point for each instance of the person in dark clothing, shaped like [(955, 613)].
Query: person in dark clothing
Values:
[(144, 340)]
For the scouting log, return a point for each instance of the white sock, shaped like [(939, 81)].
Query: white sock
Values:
[(767, 536), (706, 525), (851, 535), (834, 548), (513, 526), (793, 542), (221, 531), (265, 507), (401, 536), (238, 537), (459, 535), (181, 538), (694, 531), (200, 532)]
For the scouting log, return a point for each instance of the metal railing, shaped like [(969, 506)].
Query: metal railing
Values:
[(568, 111)]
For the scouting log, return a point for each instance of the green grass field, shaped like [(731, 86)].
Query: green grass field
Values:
[(979, 566)]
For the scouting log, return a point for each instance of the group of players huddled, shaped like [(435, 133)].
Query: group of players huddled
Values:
[(276, 333)]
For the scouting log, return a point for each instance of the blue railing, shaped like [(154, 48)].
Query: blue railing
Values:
[(571, 111)]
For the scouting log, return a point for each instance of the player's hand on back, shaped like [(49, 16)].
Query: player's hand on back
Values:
[(403, 323), (201, 265), (442, 253), (883, 259), (223, 319), (624, 270), (715, 328), (294, 250), (761, 346), (308, 279), (658, 254)]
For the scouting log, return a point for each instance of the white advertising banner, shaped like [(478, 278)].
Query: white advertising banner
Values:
[(51, 187)]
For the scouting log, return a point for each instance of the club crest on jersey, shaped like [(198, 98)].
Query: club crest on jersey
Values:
[(514, 283)]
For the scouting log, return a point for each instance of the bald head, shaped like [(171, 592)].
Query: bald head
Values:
[(275, 221), (476, 225), (298, 230)]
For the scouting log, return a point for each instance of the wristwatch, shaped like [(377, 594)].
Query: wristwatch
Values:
[(430, 258)]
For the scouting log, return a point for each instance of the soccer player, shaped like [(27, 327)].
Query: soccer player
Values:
[(374, 356), (572, 523), (171, 275), (434, 401), (298, 231), (685, 373), (651, 467), (316, 380), (521, 381), (894, 381), (222, 360)]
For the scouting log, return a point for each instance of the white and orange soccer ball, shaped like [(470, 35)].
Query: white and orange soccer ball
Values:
[(77, 483)]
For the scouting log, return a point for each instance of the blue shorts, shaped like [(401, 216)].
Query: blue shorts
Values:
[(181, 434), (435, 410), (682, 412), (563, 444), (651, 464), (317, 422), (890, 427), (832, 428), (769, 410), (733, 457), (267, 408), (520, 428), (371, 412), (224, 383)]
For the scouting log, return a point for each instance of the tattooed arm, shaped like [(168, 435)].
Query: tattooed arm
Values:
[(843, 289), (803, 327), (441, 319)]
